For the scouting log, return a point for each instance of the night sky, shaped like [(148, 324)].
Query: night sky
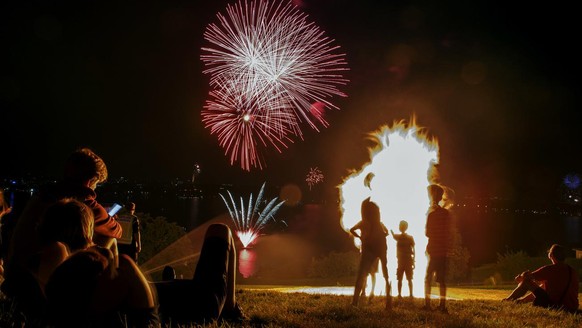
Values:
[(498, 86)]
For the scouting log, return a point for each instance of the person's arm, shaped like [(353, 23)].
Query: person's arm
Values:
[(542, 274), (428, 227), (354, 228), (384, 229), (105, 224), (413, 246), (393, 235), (137, 236)]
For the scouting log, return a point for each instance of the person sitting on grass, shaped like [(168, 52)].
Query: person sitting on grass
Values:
[(551, 286), (210, 294), (83, 171), (373, 236), (405, 255), (82, 284)]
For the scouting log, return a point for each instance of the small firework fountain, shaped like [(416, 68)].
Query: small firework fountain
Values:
[(250, 219), (270, 70), (314, 177)]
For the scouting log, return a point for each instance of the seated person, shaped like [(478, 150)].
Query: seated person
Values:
[(87, 290), (210, 294), (66, 227), (551, 286), (83, 171), (64, 231)]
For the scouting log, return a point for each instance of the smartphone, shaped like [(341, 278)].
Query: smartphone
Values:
[(114, 209)]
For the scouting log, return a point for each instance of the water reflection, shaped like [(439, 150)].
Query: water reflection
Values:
[(247, 262)]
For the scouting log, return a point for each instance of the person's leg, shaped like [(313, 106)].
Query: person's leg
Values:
[(373, 278), (443, 295), (427, 283), (527, 285), (365, 264), (399, 274), (441, 279), (384, 263), (408, 274)]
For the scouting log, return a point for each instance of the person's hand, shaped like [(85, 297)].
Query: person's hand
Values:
[(5, 210), (520, 277)]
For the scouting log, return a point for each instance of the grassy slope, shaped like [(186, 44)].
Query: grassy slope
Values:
[(471, 307)]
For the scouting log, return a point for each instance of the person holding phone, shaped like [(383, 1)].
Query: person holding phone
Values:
[(83, 171)]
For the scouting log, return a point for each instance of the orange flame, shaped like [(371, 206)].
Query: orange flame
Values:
[(402, 165)]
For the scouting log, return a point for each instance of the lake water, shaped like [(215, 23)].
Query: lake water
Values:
[(484, 232)]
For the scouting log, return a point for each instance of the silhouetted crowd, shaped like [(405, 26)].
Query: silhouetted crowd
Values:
[(68, 262)]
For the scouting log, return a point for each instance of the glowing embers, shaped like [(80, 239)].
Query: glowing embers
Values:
[(267, 61), (251, 218), (396, 179)]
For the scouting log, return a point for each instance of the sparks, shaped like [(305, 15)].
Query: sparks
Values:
[(268, 53), (314, 177), (250, 219)]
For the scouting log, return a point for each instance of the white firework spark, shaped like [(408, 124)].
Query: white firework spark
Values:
[(243, 128), (271, 55), (250, 219)]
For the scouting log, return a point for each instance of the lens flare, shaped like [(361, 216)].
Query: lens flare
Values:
[(402, 165)]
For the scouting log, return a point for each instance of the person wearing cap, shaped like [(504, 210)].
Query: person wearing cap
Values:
[(550, 286)]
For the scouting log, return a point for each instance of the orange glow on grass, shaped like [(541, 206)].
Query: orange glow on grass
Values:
[(402, 164)]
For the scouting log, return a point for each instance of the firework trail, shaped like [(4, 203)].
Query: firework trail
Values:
[(250, 219), (243, 128), (314, 177), (269, 54)]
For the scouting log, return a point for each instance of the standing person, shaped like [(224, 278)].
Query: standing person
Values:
[(132, 248), (405, 254), (438, 231), (82, 172), (373, 236), (551, 286)]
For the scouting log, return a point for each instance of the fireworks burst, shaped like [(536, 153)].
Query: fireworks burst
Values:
[(249, 219), (314, 177), (266, 60)]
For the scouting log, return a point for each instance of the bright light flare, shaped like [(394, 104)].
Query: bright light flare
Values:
[(400, 169), (251, 218)]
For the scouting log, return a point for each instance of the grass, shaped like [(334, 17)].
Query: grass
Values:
[(469, 307), (473, 307)]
